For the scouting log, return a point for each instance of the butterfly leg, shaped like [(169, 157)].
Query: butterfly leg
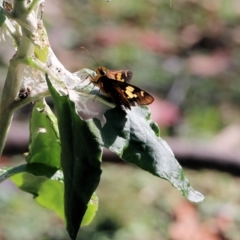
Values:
[(96, 94), (88, 83), (86, 78)]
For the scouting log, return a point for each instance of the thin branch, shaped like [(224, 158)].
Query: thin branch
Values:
[(11, 172)]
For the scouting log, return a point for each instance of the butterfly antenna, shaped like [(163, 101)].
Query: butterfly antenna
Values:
[(90, 55)]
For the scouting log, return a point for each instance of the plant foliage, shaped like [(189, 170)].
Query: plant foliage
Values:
[(63, 166)]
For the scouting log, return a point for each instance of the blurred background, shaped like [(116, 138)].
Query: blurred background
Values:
[(186, 53)]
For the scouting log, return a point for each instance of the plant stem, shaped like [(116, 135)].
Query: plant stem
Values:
[(10, 93), (16, 70)]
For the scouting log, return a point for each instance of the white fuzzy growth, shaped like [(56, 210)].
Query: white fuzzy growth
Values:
[(77, 86)]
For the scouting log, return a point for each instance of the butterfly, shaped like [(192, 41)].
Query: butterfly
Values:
[(115, 84)]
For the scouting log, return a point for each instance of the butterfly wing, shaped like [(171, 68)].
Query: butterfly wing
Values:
[(135, 94), (125, 94), (111, 88), (120, 75)]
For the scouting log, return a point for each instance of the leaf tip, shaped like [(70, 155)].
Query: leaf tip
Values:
[(194, 196)]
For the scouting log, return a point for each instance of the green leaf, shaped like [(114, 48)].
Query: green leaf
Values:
[(91, 210), (80, 159), (47, 192), (43, 161), (135, 138), (44, 144), (2, 17)]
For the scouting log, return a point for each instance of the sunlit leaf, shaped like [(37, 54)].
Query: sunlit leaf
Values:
[(47, 192), (135, 138), (44, 144)]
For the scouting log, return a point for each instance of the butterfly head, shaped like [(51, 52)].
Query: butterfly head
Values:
[(102, 71)]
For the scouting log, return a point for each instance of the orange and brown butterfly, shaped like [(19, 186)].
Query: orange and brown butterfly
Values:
[(115, 84)]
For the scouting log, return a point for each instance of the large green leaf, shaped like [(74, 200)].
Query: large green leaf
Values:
[(43, 161), (47, 192), (39, 176), (44, 144), (135, 138), (80, 159)]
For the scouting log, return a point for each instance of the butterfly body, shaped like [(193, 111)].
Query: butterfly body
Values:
[(115, 84)]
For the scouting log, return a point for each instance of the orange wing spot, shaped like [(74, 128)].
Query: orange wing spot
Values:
[(130, 88), (119, 77), (130, 94)]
